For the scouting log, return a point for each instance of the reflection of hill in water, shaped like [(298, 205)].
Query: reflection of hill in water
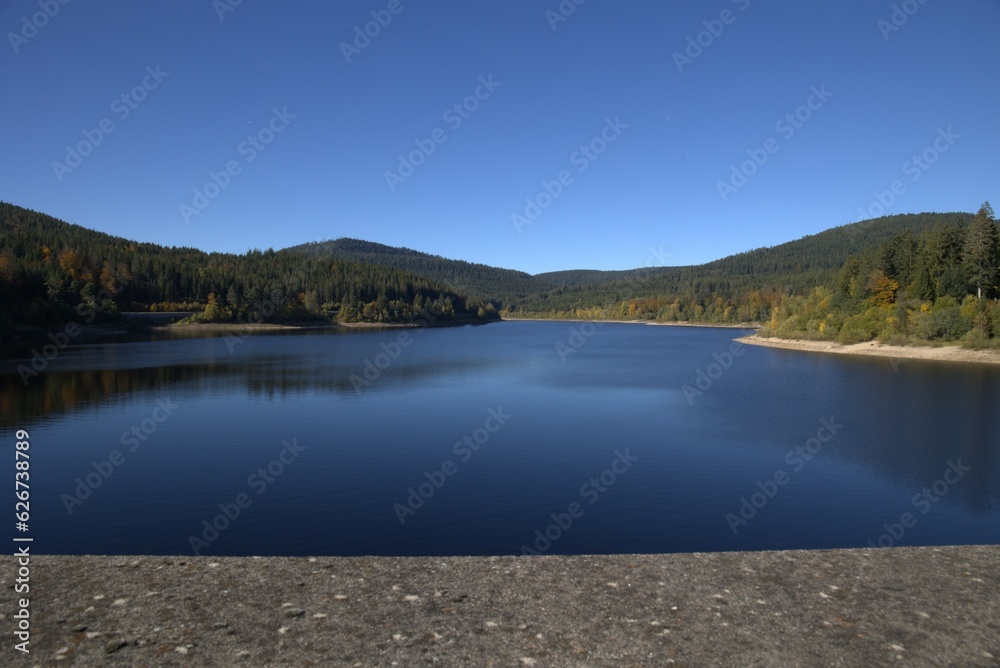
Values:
[(53, 394)]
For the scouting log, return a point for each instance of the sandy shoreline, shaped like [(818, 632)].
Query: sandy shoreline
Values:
[(875, 349), (638, 322)]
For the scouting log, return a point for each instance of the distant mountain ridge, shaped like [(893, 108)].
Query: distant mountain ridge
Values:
[(49, 269), (791, 266)]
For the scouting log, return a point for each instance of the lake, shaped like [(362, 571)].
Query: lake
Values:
[(511, 438)]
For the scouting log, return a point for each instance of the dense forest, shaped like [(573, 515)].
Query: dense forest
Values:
[(52, 272), (902, 278), (744, 288), (938, 285), (898, 278), (498, 286)]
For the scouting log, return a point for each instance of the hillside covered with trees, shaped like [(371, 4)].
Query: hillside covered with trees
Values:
[(901, 279), (904, 278), (941, 284), (743, 288), (499, 286), (52, 272)]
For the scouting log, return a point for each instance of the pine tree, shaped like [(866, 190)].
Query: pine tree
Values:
[(981, 250)]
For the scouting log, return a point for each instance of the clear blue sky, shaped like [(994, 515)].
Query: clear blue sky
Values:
[(655, 188)]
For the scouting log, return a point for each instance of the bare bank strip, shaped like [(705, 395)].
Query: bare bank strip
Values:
[(875, 349)]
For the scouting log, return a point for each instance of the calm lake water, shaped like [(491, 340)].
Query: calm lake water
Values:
[(498, 439)]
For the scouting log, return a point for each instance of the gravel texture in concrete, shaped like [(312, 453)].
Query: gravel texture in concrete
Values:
[(903, 606)]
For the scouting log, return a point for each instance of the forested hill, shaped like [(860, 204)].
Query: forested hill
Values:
[(931, 265), (740, 288), (501, 286), (790, 268), (820, 252), (828, 250), (52, 272), (937, 284)]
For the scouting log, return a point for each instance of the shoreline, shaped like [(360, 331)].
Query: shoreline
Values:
[(682, 323), (218, 327), (236, 327), (945, 353)]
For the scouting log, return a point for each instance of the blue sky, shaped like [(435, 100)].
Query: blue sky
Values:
[(202, 78)]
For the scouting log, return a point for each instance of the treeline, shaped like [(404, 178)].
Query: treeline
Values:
[(744, 308), (935, 279), (939, 285), (897, 278), (742, 288), (52, 273), (500, 287)]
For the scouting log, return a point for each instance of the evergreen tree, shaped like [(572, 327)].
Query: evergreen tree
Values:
[(981, 251)]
